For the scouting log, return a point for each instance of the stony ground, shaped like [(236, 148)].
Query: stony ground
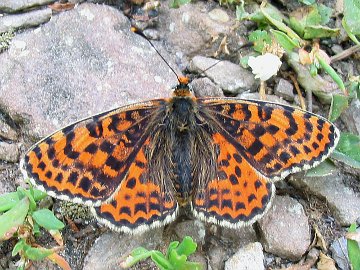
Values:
[(64, 66)]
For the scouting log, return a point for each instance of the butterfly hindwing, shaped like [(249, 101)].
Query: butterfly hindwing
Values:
[(275, 139), (140, 203), (238, 195), (86, 161)]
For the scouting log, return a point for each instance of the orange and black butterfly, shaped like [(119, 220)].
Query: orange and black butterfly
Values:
[(136, 165)]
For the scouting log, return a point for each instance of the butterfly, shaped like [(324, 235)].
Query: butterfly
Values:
[(138, 164)]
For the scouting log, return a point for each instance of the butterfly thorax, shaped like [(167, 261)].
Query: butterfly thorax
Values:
[(182, 90)]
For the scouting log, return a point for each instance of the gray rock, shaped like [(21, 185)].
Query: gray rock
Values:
[(351, 117), (248, 257), (152, 34), (204, 87), (236, 238), (9, 174), (108, 249), (336, 48), (339, 253), (217, 256), (231, 78), (198, 257), (14, 6), (219, 15), (93, 63), (9, 152), (342, 200), (256, 96), (285, 89), (195, 23), (6, 131), (193, 228), (285, 229), (24, 20)]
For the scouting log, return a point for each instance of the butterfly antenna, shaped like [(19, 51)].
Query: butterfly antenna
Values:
[(139, 32), (248, 44)]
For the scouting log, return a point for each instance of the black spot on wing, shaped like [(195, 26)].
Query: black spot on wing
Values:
[(131, 183), (255, 147), (239, 206)]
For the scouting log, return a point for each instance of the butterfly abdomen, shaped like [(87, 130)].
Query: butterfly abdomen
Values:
[(181, 124)]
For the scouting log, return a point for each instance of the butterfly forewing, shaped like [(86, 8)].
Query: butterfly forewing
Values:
[(275, 139), (86, 161)]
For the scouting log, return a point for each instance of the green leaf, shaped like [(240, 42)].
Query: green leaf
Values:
[(138, 254), (12, 219), (187, 246), (333, 74), (303, 17), (313, 70), (39, 195), (349, 144), (160, 260), (323, 169), (319, 31), (260, 38), (241, 14), (192, 266), (244, 61), (307, 2), (177, 260), (178, 3), (31, 198), (309, 22), (348, 31), (45, 218), (19, 246), (140, 251), (8, 200), (36, 254), (325, 14), (21, 267), (281, 26), (345, 159), (352, 15), (172, 246), (353, 250), (339, 103), (36, 228), (285, 41), (354, 89), (258, 16)]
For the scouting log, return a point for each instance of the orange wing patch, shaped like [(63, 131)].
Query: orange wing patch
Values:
[(275, 139), (140, 203), (86, 162), (238, 196)]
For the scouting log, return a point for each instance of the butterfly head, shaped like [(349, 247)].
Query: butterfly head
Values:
[(182, 89)]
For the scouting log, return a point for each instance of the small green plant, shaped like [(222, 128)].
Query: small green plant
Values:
[(353, 247), (178, 3), (22, 219), (5, 39), (351, 19), (174, 259)]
